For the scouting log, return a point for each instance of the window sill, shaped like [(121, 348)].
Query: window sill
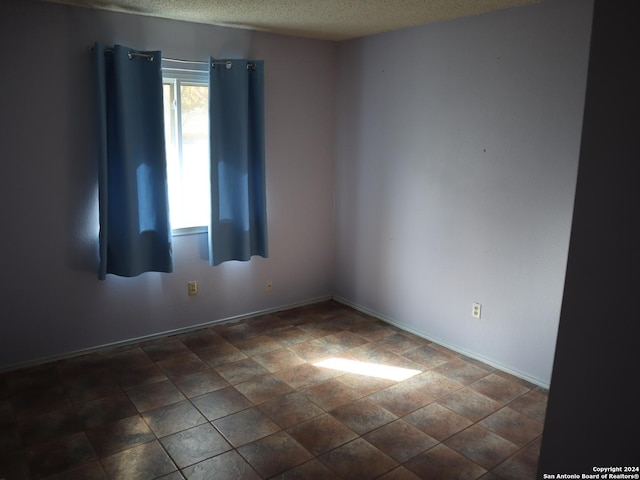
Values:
[(178, 232)]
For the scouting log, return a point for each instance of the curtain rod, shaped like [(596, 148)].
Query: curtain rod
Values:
[(228, 64)]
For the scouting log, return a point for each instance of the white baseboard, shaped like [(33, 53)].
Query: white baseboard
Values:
[(455, 348), (144, 338)]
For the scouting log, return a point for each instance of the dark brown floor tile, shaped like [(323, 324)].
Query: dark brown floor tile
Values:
[(200, 383), (400, 473), (201, 339), (401, 342), (194, 445), (513, 426), (493, 476), (365, 385), (221, 354), (221, 403), (59, 455), (268, 323), (319, 310), (126, 359), (446, 350), (482, 446), (290, 336), (89, 471), (241, 371), (345, 340), (523, 464), (34, 401), (4, 389), (32, 379), (91, 386), (470, 404), (443, 463), (139, 376), (498, 388), (155, 395), (104, 410), (314, 350), (331, 394), (279, 359), (107, 352), (263, 389), (352, 319), (321, 434), (120, 435), (257, 345), (246, 426), (49, 425), (14, 465), (81, 365), (225, 466), (542, 390), (182, 366), (274, 454), (461, 371), (7, 415), (521, 381), (139, 463), (173, 418), (358, 459), (291, 409), (313, 470), (373, 330), (371, 353), (437, 421), (322, 328), (400, 440), (477, 363), (435, 385), (10, 439), (304, 375), (171, 476), (532, 404), (363, 415), (402, 399), (164, 348), (235, 332), (427, 356)]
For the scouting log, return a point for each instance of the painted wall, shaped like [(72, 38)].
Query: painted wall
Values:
[(457, 148), (50, 299)]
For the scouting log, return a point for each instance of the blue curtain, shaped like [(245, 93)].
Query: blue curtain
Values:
[(135, 235), (238, 226)]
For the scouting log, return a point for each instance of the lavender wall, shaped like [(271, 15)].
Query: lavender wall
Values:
[(457, 149), (51, 302)]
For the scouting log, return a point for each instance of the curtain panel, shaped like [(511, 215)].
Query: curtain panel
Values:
[(135, 234), (238, 226)]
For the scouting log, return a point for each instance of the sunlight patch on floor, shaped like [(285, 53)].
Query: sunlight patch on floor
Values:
[(369, 369)]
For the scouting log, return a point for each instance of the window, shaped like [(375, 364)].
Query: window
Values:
[(186, 119)]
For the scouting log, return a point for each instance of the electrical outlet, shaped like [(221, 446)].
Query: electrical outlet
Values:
[(476, 310), (192, 288), (269, 286)]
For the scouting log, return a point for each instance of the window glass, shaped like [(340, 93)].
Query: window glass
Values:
[(187, 141)]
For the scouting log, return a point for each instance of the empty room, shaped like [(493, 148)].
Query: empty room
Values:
[(384, 275)]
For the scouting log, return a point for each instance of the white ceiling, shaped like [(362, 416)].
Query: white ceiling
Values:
[(321, 19)]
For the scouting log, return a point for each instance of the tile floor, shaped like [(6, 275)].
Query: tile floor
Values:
[(244, 400)]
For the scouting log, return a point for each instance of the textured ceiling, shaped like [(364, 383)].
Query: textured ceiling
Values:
[(322, 19)]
